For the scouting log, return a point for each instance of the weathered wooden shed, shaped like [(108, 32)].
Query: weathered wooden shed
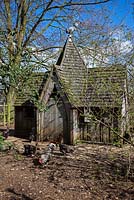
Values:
[(25, 109), (80, 102)]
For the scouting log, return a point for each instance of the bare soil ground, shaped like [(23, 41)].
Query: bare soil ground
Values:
[(92, 172)]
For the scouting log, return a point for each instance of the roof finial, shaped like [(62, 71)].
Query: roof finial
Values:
[(71, 29)]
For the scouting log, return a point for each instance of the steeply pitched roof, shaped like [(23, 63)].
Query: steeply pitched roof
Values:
[(106, 86), (98, 87), (72, 72), (84, 86), (34, 86)]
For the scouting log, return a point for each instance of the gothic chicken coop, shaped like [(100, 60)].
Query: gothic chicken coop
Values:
[(80, 103)]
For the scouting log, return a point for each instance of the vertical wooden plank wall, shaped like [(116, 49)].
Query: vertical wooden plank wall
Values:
[(51, 121)]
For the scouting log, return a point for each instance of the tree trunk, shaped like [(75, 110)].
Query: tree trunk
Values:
[(10, 100)]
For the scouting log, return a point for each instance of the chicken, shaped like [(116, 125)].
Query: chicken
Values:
[(6, 133), (57, 140), (29, 150), (45, 157), (51, 147), (32, 135), (64, 148)]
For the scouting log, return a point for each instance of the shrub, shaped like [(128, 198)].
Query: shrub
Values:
[(4, 144)]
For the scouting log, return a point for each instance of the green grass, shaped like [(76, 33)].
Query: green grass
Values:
[(4, 144)]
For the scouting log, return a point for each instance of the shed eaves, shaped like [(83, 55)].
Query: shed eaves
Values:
[(106, 86), (34, 86)]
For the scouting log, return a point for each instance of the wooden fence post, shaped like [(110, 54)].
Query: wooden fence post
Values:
[(8, 114), (4, 114)]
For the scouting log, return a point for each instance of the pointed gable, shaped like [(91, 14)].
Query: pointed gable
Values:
[(70, 56), (99, 86), (72, 72)]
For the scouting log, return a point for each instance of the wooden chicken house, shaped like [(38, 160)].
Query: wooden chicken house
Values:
[(80, 103)]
